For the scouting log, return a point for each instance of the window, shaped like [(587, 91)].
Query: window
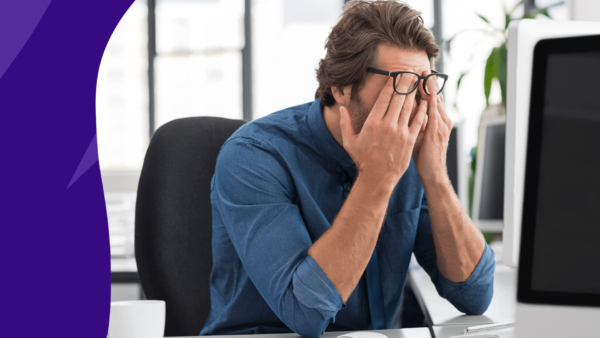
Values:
[(122, 94), (288, 42), (198, 67)]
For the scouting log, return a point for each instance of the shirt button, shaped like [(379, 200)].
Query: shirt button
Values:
[(347, 188)]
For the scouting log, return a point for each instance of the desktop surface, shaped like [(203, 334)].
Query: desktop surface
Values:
[(458, 330), (420, 332)]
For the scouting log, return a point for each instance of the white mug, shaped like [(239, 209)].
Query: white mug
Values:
[(137, 319)]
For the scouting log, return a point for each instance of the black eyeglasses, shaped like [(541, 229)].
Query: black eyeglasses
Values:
[(410, 77)]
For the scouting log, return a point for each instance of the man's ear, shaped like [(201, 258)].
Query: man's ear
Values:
[(341, 95)]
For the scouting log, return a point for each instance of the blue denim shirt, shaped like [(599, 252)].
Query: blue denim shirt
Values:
[(278, 185)]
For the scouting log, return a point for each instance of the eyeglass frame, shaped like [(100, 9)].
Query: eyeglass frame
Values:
[(394, 75)]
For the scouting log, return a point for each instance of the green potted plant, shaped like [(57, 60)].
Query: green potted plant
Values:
[(495, 68)]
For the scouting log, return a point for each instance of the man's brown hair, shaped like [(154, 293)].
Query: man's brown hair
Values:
[(353, 42)]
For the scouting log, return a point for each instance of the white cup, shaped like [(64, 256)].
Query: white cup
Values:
[(137, 319)]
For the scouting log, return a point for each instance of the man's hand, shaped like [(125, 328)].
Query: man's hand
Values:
[(383, 148), (381, 151), (430, 149), (459, 245)]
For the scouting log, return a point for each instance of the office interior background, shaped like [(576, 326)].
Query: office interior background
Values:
[(244, 59)]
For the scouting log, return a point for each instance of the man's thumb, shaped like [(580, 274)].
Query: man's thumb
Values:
[(346, 123)]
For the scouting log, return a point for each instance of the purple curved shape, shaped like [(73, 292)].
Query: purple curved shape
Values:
[(54, 241), (87, 161), (18, 19)]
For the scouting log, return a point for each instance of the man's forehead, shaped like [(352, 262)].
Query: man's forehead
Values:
[(392, 58)]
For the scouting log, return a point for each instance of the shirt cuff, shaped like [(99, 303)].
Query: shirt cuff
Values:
[(482, 276), (315, 290)]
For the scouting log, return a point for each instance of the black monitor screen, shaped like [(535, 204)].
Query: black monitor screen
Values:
[(452, 159), (491, 204), (566, 250)]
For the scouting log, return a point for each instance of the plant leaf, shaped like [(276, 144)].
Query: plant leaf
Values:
[(515, 8), (460, 79), (458, 86), (472, 178), (544, 12), (483, 18), (490, 73), (539, 11), (501, 60), (556, 4)]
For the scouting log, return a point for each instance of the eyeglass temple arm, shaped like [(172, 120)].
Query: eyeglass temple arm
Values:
[(378, 71)]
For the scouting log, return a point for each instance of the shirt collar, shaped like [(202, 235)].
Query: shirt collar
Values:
[(325, 142)]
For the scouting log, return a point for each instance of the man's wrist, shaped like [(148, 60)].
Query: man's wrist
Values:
[(380, 185), (436, 182)]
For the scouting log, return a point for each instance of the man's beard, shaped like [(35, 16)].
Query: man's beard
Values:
[(358, 112)]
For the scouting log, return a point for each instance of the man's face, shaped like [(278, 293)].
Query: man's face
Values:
[(392, 59)]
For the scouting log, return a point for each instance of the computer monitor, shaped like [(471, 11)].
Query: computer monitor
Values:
[(522, 37), (559, 265), (457, 166), (488, 197)]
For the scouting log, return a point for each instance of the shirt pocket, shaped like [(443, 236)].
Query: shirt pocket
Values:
[(398, 238)]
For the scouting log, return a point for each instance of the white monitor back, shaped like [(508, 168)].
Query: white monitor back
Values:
[(523, 35)]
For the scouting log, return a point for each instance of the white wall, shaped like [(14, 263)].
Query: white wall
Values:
[(585, 10)]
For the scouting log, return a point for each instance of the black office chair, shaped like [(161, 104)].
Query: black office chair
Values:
[(173, 221)]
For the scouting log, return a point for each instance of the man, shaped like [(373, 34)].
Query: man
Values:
[(317, 208)]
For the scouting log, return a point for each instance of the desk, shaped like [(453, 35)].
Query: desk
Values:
[(456, 330), (394, 333), (439, 312), (123, 270), (124, 280)]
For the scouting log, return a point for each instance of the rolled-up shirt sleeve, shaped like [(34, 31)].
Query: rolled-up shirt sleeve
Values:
[(252, 193), (472, 296)]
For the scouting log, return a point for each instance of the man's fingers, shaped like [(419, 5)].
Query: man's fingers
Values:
[(419, 118), (383, 101), (432, 85), (394, 109), (432, 114), (423, 94), (404, 83), (346, 124), (442, 110), (407, 107)]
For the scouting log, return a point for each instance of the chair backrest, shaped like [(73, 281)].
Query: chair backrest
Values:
[(173, 220)]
